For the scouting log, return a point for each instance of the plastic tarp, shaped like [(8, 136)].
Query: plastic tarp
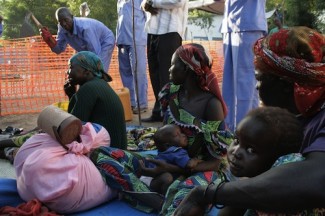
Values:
[(212, 6), (215, 6)]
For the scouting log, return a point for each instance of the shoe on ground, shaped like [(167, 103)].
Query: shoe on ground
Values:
[(135, 110), (153, 118)]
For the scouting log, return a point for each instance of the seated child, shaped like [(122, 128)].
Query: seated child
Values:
[(171, 144), (264, 135)]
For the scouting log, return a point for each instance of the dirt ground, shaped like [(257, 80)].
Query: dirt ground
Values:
[(25, 121), (29, 121)]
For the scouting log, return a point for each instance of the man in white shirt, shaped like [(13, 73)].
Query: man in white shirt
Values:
[(166, 23)]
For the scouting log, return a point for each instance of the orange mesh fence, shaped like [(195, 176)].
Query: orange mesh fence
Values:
[(32, 77)]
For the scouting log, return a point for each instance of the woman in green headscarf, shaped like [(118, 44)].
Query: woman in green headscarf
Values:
[(95, 101)]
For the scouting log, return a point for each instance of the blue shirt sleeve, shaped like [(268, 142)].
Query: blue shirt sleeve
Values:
[(100, 40), (181, 158), (174, 155)]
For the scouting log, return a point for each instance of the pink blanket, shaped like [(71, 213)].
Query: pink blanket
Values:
[(65, 181)]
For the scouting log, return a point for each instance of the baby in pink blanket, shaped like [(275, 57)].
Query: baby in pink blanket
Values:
[(64, 180)]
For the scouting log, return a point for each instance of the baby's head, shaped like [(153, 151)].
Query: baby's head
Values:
[(265, 134), (169, 135)]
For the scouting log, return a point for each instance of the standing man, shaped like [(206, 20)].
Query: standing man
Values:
[(165, 26), (132, 51), (82, 34), (244, 22)]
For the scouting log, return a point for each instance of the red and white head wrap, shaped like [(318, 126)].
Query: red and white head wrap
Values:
[(297, 55), (198, 59)]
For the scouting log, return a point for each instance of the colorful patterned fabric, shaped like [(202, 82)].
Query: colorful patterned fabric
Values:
[(206, 137), (141, 139), (200, 61), (298, 55), (182, 186), (121, 171), (91, 62), (21, 139)]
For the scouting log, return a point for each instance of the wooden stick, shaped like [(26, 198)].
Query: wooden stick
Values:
[(38, 24)]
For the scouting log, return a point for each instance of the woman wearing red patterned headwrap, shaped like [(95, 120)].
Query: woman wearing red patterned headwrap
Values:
[(193, 102), (291, 75)]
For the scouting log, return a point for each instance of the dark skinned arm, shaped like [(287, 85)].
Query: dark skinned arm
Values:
[(300, 185), (210, 165), (162, 166), (214, 111), (290, 187), (69, 89)]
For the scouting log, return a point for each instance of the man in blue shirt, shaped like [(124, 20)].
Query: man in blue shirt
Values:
[(244, 22), (132, 50), (82, 34)]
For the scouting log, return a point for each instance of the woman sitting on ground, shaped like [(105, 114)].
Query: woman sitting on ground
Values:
[(195, 104), (95, 101), (291, 74)]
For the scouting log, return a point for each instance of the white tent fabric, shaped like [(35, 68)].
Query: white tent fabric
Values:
[(212, 6), (270, 13), (215, 6)]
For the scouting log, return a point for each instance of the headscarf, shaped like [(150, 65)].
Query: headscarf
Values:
[(199, 60), (297, 55), (91, 62)]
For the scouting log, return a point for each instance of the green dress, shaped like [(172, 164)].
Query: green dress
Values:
[(206, 139), (121, 171), (97, 102)]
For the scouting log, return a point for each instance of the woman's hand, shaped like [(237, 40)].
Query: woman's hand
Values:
[(193, 204), (69, 88)]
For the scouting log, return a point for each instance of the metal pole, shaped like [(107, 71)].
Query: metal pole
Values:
[(135, 71)]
